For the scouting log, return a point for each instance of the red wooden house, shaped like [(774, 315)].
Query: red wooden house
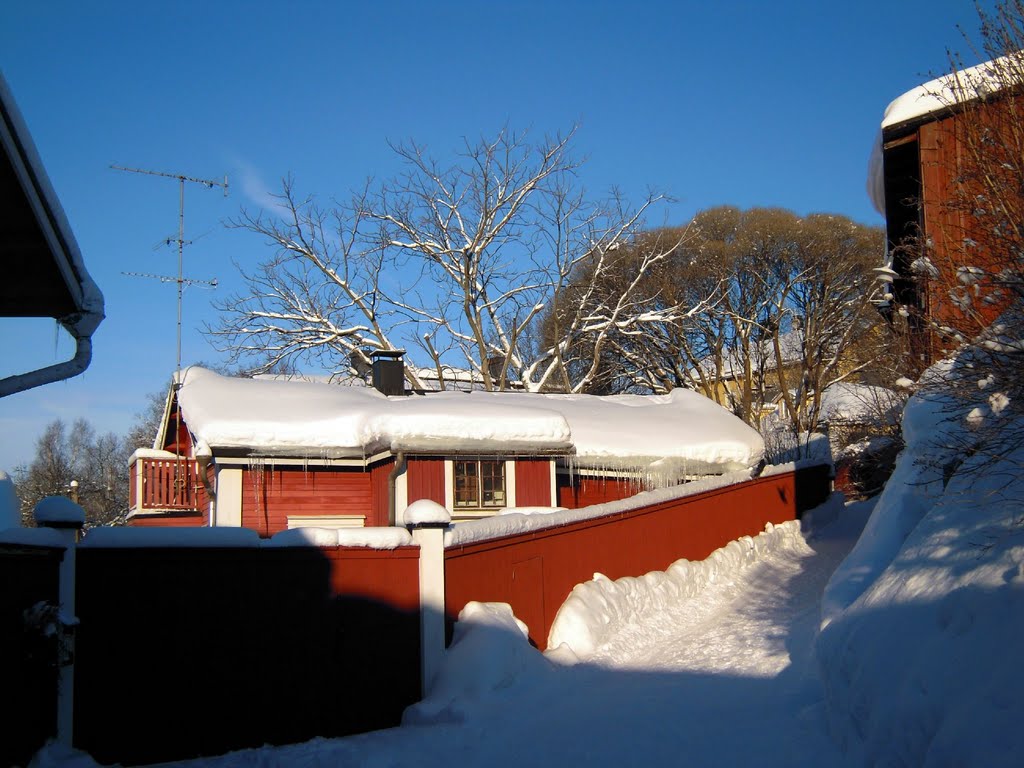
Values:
[(271, 455), (931, 179)]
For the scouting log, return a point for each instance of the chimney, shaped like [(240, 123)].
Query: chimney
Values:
[(388, 371)]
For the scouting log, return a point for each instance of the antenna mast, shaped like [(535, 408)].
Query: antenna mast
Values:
[(180, 280)]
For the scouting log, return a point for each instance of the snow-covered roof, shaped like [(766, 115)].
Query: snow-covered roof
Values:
[(791, 343), (859, 403), (289, 418), (934, 97), (948, 90)]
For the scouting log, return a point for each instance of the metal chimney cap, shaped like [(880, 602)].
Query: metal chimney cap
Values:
[(389, 353)]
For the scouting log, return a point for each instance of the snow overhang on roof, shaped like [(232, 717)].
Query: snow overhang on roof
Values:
[(44, 274), (682, 433), (947, 92), (941, 95)]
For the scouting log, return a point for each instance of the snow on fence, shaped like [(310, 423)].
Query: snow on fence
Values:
[(533, 565), (208, 640)]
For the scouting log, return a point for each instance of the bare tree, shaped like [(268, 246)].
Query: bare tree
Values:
[(317, 298), (459, 260), (97, 463), (783, 309)]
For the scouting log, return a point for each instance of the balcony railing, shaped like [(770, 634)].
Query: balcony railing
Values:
[(165, 483)]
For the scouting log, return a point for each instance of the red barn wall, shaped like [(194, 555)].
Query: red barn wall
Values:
[(269, 495)]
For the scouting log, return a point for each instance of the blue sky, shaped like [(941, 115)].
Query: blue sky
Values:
[(745, 103)]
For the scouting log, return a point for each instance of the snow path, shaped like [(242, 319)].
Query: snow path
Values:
[(724, 678)]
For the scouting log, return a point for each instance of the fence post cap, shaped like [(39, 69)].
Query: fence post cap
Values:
[(425, 513), (58, 512)]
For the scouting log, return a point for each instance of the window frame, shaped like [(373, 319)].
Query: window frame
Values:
[(477, 481)]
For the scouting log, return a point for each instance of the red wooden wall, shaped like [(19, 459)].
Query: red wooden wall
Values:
[(575, 491), (534, 572), (425, 479), (379, 474), (533, 483), (189, 652), (171, 520), (269, 495)]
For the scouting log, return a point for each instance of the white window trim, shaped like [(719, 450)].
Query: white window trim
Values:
[(449, 490)]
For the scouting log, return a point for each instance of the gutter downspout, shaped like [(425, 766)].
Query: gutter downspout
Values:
[(396, 470), (203, 464), (76, 365)]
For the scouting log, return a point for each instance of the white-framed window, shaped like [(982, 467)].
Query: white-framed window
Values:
[(479, 484)]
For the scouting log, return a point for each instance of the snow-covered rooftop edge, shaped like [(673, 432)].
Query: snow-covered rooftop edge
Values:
[(950, 89), (932, 97), (667, 436)]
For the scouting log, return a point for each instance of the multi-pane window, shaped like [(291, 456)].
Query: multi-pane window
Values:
[(479, 484)]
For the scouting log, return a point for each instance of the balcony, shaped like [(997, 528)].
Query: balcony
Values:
[(164, 483)]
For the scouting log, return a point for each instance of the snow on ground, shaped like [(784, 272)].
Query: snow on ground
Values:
[(912, 662), (720, 676), (922, 623)]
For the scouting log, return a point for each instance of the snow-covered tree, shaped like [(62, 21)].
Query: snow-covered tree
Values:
[(459, 260)]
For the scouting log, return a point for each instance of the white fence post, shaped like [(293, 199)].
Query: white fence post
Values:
[(66, 518), (427, 522)]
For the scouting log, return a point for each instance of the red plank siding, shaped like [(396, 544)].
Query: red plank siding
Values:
[(426, 479), (379, 474), (575, 491), (623, 544), (533, 483), (270, 495)]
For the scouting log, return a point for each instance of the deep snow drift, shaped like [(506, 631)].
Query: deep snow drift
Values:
[(922, 621)]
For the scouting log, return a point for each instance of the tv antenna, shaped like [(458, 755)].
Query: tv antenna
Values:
[(180, 280)]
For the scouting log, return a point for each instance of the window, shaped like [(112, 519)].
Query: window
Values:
[(479, 484)]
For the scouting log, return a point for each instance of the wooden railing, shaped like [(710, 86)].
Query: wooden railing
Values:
[(166, 484)]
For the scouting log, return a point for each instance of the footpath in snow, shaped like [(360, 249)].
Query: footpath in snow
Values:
[(724, 677)]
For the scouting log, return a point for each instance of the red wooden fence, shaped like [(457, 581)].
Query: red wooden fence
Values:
[(534, 572), (187, 652)]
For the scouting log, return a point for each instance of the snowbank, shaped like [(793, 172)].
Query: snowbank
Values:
[(918, 649), (490, 651), (600, 608), (125, 537), (59, 510), (859, 403), (371, 538)]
